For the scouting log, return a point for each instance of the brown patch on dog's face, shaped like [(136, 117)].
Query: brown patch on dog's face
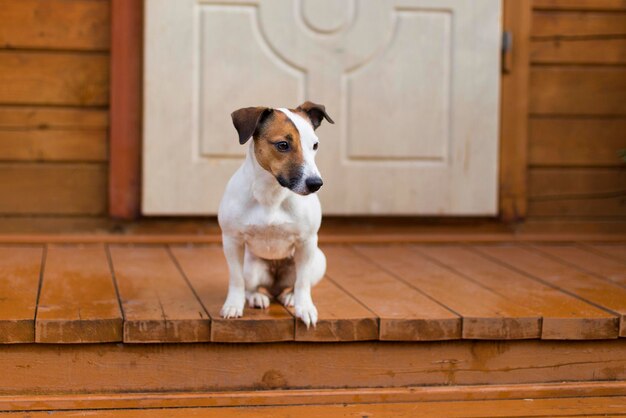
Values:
[(278, 149)]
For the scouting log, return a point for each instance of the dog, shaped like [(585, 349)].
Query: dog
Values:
[(270, 214)]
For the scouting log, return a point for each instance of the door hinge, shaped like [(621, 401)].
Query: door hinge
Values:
[(507, 56)]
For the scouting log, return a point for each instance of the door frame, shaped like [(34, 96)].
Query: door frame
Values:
[(127, 99)]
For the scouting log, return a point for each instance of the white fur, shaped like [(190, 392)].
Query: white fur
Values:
[(262, 220)]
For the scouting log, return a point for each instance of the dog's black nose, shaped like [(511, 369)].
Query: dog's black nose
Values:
[(313, 184)]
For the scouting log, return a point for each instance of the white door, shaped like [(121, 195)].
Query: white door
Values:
[(413, 87)]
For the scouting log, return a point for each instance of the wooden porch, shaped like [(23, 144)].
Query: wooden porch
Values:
[(411, 327)]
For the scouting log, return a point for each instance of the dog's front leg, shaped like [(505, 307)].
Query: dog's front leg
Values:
[(305, 259), (234, 252)]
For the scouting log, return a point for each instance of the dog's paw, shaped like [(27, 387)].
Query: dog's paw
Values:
[(258, 300), (231, 311), (287, 299), (307, 313)]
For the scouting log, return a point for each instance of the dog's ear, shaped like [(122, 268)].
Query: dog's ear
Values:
[(246, 121), (316, 112)]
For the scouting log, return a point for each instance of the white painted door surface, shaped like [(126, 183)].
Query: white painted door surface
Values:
[(413, 87)]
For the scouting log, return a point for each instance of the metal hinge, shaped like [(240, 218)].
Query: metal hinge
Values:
[(507, 56)]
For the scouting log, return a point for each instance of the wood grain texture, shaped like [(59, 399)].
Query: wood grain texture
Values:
[(47, 78), (207, 272), (100, 368), (568, 407), (310, 396), (55, 24), (578, 91), (514, 113), (576, 142), (577, 192), (604, 51), (126, 108), (495, 317), (563, 316), (587, 261), (61, 189), (600, 292), (617, 251), (410, 317), (609, 5), (577, 24), (19, 285), (340, 317), (78, 301), (54, 145), (41, 117), (157, 302)]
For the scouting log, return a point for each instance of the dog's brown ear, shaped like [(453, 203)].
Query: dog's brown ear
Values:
[(316, 113), (247, 119)]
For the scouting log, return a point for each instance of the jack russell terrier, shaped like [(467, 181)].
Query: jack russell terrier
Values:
[(270, 214)]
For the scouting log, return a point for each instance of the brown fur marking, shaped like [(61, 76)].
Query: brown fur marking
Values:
[(278, 127)]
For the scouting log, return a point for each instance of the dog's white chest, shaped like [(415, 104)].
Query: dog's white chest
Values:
[(271, 236)]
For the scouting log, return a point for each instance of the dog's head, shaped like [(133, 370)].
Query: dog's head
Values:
[(285, 142)]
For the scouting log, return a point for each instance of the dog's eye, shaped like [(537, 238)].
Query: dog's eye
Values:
[(282, 146), (315, 146)]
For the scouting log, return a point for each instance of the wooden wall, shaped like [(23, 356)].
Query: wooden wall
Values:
[(54, 95), (577, 106)]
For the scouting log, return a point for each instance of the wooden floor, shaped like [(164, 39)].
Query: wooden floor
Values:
[(99, 293)]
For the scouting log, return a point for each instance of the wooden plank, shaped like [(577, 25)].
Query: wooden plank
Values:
[(576, 142), (578, 90), (207, 272), (310, 396), (568, 407), (126, 108), (600, 292), (580, 4), (617, 251), (577, 192), (33, 117), (514, 113), (157, 302), (495, 317), (587, 261), (578, 51), (577, 24), (78, 301), (340, 317), (575, 182), (48, 78), (563, 316), (60, 189), (54, 24), (19, 286), (124, 368), (54, 145), (405, 314)]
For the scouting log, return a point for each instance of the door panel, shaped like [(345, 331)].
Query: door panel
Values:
[(412, 86)]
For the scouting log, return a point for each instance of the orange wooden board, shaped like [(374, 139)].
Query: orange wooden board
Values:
[(567, 407), (310, 396), (19, 285), (587, 261), (600, 292), (485, 314), (78, 302), (617, 251), (125, 368), (205, 268), (340, 317), (563, 316), (404, 313), (157, 302)]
